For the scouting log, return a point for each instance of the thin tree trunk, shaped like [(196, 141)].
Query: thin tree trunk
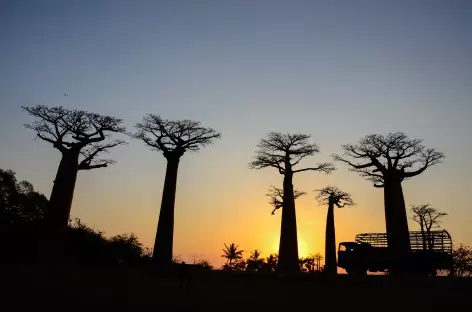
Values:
[(59, 206), (423, 235), (162, 253), (330, 243), (398, 237), (288, 247)]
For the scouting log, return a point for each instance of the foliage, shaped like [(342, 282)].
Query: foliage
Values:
[(234, 258), (462, 261), (284, 151), (76, 130), (428, 219), (382, 155), (19, 202), (333, 195), (254, 263), (174, 137), (22, 213), (276, 196)]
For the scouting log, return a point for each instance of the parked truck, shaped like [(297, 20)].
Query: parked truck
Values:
[(370, 253)]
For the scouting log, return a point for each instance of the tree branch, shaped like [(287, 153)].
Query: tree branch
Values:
[(325, 167)]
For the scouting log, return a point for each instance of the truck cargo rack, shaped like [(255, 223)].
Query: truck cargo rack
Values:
[(439, 240)]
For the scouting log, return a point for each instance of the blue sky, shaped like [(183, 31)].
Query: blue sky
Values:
[(335, 69)]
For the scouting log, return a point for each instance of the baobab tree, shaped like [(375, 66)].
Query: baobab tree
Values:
[(276, 196), (386, 161), (428, 219), (81, 137), (284, 152), (332, 196), (173, 138)]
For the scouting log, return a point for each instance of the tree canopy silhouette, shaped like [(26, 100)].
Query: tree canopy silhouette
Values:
[(173, 138), (428, 219), (284, 152), (387, 160), (332, 196), (81, 137), (276, 196), (233, 256), (462, 261)]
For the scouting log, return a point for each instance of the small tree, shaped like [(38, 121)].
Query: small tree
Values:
[(429, 219), (332, 196), (387, 161), (255, 262), (81, 137), (276, 196), (233, 256), (307, 264), (173, 139), (462, 261), (284, 152), (318, 257)]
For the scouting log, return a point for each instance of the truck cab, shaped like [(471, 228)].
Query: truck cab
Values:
[(352, 257)]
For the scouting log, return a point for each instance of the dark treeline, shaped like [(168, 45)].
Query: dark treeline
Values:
[(22, 217)]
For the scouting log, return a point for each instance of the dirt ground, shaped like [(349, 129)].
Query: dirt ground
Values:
[(133, 289)]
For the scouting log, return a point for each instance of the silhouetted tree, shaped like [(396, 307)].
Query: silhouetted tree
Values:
[(387, 161), (270, 263), (284, 152), (233, 255), (462, 261), (332, 196), (255, 262), (277, 196), (126, 248), (307, 264), (19, 202), (81, 137), (173, 139), (22, 211), (204, 264), (317, 258), (429, 219)]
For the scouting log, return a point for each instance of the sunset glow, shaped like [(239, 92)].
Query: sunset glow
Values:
[(244, 68)]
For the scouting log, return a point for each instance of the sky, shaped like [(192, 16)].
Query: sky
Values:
[(337, 70)]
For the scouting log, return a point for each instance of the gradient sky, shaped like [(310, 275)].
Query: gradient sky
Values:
[(337, 70)]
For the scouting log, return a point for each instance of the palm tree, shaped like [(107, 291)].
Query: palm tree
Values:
[(232, 253), (270, 263), (332, 196), (255, 255), (317, 260), (255, 262)]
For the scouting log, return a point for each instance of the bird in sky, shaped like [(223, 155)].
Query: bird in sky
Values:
[(65, 94)]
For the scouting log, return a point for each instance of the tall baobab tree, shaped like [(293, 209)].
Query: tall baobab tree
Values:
[(387, 160), (284, 152), (81, 137), (173, 138), (332, 196), (428, 219)]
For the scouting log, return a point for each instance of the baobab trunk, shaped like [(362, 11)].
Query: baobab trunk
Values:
[(288, 247), (330, 243), (398, 237), (59, 206), (162, 254)]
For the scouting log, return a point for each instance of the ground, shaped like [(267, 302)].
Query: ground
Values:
[(132, 289)]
